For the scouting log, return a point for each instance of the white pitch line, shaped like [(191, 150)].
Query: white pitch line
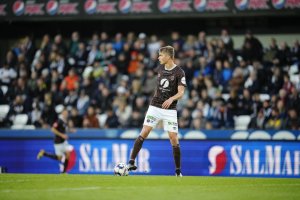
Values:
[(280, 184), (14, 181), (57, 189)]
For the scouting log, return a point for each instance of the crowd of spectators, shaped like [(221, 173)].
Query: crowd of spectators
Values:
[(107, 81)]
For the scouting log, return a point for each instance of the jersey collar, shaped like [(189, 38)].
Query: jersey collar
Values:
[(171, 68)]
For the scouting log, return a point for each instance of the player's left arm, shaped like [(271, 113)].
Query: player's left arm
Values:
[(177, 96)]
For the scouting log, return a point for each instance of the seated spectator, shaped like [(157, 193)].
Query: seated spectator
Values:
[(211, 89), (83, 103), (275, 122), (271, 51), (102, 97), (70, 82), (112, 120), (136, 120), (276, 81), (90, 120), (36, 114), (198, 123), (293, 121), (71, 99), (185, 119), (7, 75), (246, 103), (76, 118), (153, 45), (287, 84), (49, 116), (81, 56), (294, 101), (258, 122), (123, 113), (222, 118), (227, 40), (266, 109), (150, 83), (252, 48), (118, 43), (73, 47), (296, 51), (140, 105), (252, 83), (284, 54), (17, 107), (217, 74), (226, 74)]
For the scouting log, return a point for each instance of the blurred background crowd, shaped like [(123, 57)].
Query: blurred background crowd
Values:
[(107, 80)]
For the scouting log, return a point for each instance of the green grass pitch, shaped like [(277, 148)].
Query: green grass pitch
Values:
[(89, 187)]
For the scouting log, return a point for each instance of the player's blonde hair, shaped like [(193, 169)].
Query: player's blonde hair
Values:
[(168, 50)]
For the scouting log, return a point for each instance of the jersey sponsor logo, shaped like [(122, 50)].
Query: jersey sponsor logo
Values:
[(164, 83)]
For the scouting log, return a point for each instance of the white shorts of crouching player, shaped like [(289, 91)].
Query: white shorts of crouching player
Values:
[(169, 118), (61, 149)]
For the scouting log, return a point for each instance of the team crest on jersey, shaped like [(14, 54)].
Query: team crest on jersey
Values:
[(172, 78), (158, 75), (183, 81)]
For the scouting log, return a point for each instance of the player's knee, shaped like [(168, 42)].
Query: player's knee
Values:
[(173, 138), (67, 155), (145, 131), (174, 142)]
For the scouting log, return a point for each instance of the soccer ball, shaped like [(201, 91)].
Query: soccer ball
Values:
[(121, 170)]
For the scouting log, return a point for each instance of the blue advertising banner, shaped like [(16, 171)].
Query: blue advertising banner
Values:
[(291, 135), (199, 158)]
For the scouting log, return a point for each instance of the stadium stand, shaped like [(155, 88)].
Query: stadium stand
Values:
[(106, 81)]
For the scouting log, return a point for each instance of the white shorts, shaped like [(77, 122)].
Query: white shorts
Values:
[(61, 149), (169, 117)]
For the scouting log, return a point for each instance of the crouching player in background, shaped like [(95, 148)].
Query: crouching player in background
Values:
[(61, 146)]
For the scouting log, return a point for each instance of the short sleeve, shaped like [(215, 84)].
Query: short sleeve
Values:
[(56, 124), (181, 78)]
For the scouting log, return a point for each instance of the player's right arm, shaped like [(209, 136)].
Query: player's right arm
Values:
[(58, 133)]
